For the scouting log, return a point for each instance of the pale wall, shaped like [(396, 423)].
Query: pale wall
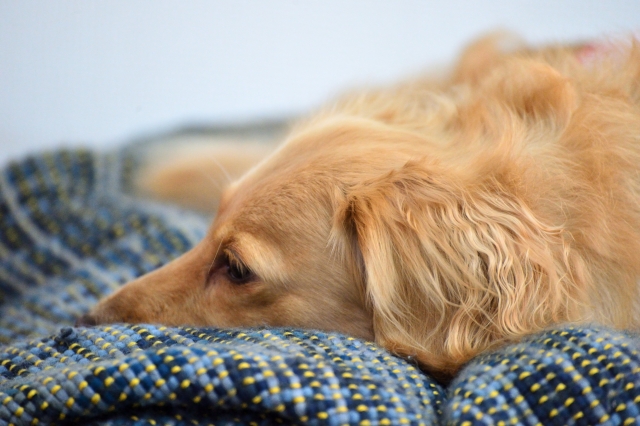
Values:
[(99, 72)]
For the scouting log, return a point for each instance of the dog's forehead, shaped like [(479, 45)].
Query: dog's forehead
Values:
[(279, 208)]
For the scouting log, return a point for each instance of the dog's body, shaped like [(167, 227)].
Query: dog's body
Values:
[(438, 218)]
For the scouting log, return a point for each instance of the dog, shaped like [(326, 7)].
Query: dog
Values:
[(441, 218)]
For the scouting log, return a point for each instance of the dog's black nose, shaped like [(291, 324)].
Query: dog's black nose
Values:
[(86, 320)]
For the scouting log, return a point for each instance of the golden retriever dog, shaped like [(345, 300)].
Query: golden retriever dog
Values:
[(439, 218)]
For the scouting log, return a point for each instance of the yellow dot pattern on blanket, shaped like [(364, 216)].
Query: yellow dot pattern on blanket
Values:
[(569, 375), (266, 370)]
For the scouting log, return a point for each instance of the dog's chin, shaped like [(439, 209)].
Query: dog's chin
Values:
[(97, 317), (87, 320), (100, 316)]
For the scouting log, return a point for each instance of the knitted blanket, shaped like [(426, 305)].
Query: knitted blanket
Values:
[(71, 232)]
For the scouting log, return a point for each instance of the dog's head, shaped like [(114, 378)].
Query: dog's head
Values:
[(369, 227)]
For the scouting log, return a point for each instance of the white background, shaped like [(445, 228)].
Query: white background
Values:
[(100, 72)]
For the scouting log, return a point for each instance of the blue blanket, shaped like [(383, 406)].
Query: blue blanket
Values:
[(71, 232)]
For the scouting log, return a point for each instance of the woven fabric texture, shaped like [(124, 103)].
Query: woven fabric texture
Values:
[(585, 376), (71, 232)]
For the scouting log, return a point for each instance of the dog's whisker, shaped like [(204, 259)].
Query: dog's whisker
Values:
[(214, 259), (222, 169), (211, 179), (214, 200)]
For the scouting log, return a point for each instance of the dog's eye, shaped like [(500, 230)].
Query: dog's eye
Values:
[(237, 272)]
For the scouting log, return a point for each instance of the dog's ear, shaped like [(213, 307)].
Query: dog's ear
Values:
[(450, 273)]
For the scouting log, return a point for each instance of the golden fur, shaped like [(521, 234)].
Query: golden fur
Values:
[(440, 218)]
